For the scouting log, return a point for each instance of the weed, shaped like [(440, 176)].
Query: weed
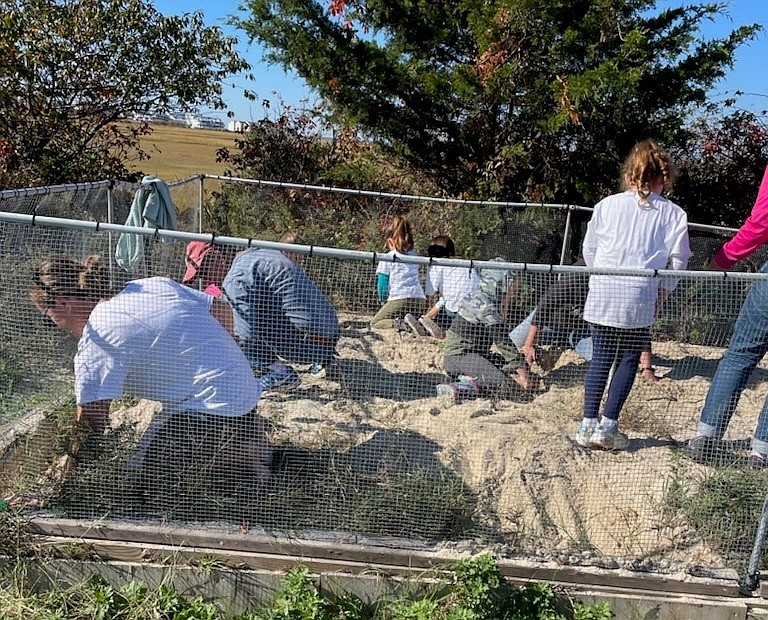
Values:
[(415, 610), (721, 506), (11, 372), (477, 581), (209, 563), (599, 611), (477, 592), (15, 540), (299, 598)]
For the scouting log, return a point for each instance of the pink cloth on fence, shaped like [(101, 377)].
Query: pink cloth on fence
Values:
[(752, 234)]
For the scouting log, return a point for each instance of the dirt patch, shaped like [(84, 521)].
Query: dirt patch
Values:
[(378, 423)]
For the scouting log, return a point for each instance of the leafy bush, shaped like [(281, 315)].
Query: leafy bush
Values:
[(721, 165), (477, 592)]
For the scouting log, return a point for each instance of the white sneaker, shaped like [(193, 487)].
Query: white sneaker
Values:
[(757, 460), (458, 391), (584, 434), (317, 370), (609, 440)]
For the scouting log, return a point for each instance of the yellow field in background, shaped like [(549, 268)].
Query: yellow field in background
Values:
[(181, 152)]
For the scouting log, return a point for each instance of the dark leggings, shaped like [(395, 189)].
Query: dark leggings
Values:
[(609, 345), (486, 370)]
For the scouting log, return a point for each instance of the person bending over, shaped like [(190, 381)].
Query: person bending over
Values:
[(159, 340)]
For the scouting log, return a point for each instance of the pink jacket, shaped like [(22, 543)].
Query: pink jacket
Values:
[(752, 234)]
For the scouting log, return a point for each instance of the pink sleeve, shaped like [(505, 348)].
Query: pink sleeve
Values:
[(752, 234), (213, 290)]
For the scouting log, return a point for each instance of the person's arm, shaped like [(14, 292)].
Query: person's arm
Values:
[(435, 307), (529, 346), (223, 313), (589, 245), (679, 254), (647, 371), (752, 234), (509, 295), (96, 414)]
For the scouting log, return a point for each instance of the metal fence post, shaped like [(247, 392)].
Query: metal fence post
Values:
[(566, 235), (752, 578), (200, 195), (110, 215)]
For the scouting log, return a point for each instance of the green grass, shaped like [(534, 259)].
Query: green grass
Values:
[(11, 373), (722, 505)]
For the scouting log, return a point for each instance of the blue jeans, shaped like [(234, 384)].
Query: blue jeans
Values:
[(748, 345), (612, 345), (285, 342)]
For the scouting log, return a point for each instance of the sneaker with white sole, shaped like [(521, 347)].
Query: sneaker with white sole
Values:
[(281, 378), (448, 390), (757, 460), (458, 390), (608, 440), (432, 327), (703, 449), (317, 370), (584, 434), (414, 325), (474, 387)]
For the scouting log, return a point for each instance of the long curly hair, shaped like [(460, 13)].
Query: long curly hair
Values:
[(646, 166)]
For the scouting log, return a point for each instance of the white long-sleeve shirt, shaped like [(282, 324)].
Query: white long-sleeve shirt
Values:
[(623, 234), (453, 284), (403, 278)]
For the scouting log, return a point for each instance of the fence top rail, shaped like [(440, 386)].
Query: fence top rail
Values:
[(88, 185), (362, 192), (373, 257), (457, 201), (691, 225), (55, 189), (110, 184)]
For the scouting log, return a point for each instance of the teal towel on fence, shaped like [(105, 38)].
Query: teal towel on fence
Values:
[(152, 207)]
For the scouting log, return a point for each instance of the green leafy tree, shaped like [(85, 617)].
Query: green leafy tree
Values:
[(511, 99), (297, 146), (721, 166), (72, 70)]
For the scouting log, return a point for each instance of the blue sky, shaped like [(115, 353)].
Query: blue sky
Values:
[(272, 83)]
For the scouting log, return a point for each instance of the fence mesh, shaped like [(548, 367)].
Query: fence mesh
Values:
[(365, 446)]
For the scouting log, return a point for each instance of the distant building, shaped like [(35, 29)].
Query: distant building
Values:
[(177, 118), (196, 121), (238, 126), (158, 117), (190, 119)]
